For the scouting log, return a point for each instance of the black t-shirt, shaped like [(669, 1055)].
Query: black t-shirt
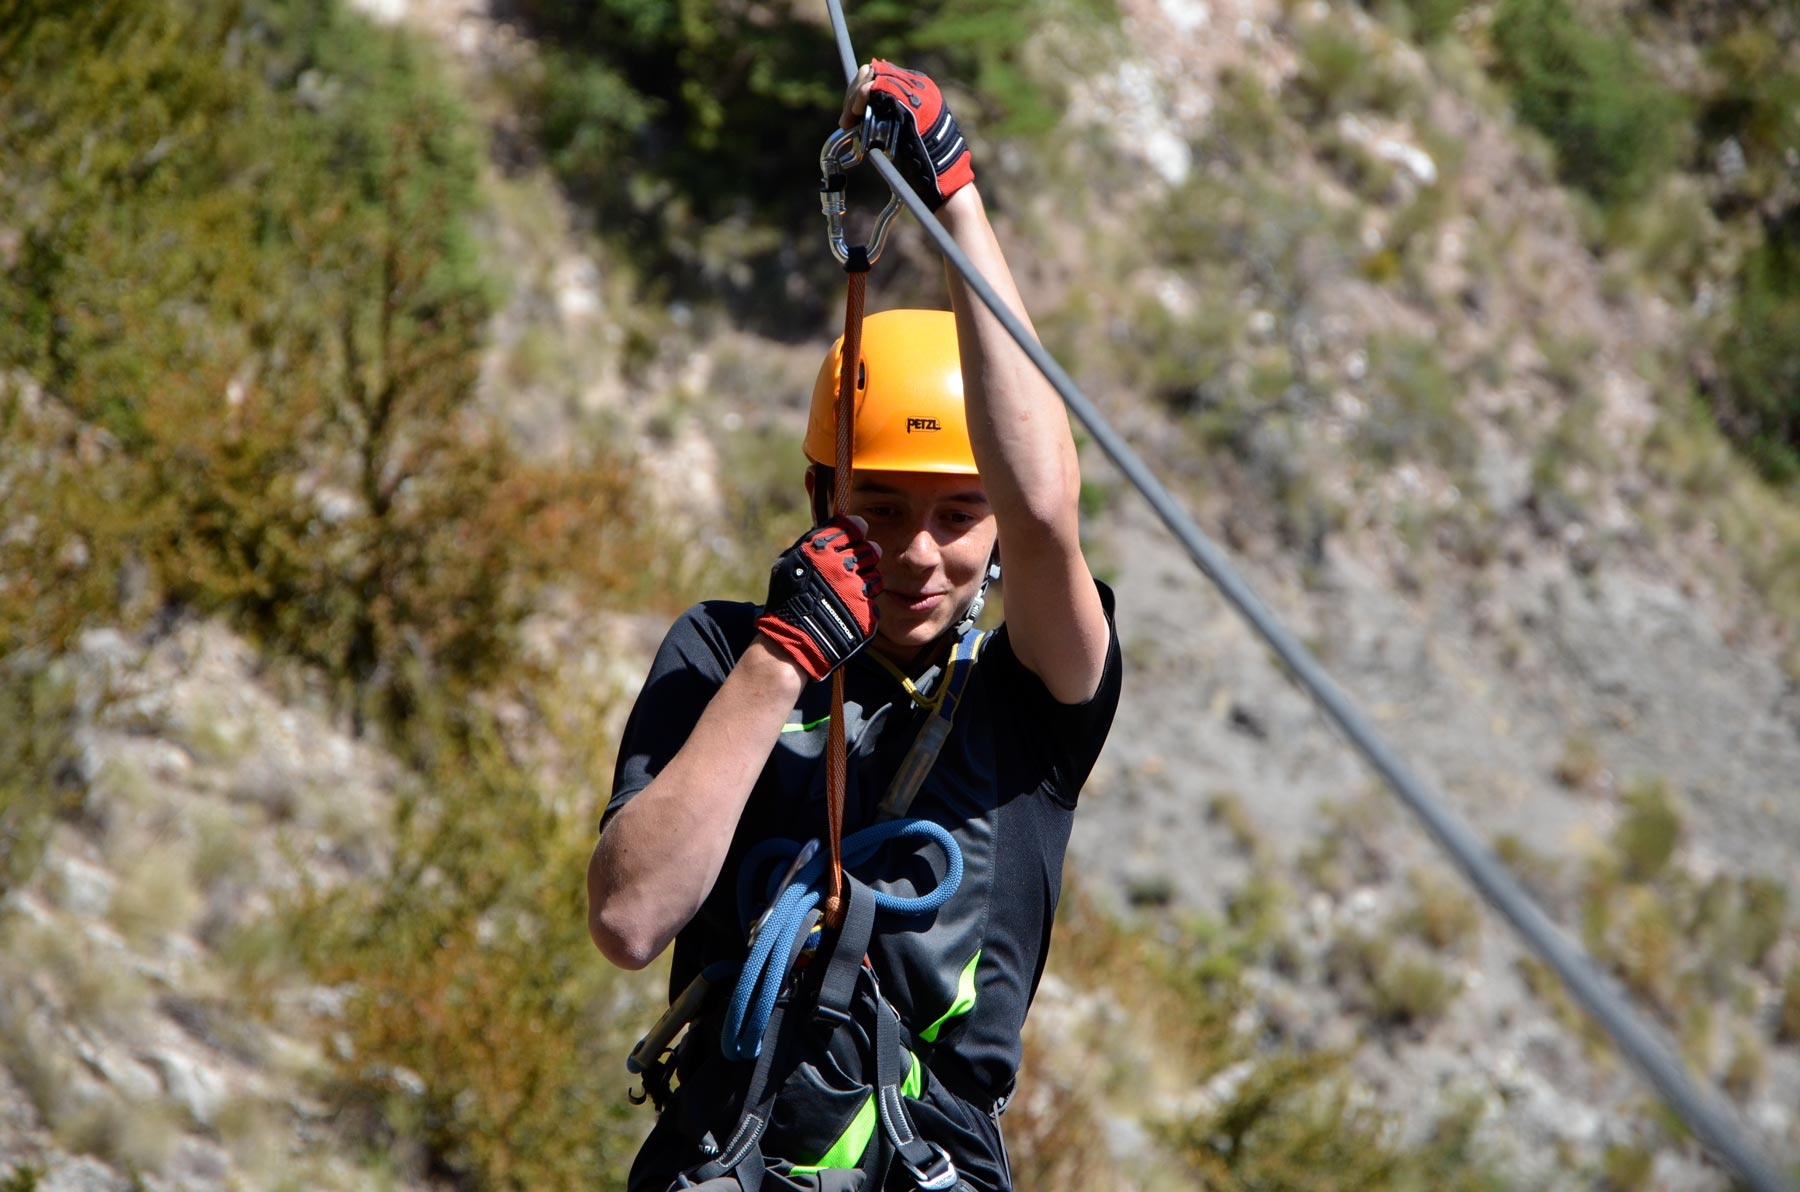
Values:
[(1005, 785)]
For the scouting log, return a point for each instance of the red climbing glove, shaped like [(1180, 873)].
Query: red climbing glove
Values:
[(822, 589), (929, 148)]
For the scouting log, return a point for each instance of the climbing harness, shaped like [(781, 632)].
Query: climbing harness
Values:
[(833, 1064), (816, 1029), (788, 922)]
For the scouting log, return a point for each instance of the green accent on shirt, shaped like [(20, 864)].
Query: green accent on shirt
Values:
[(965, 999), (806, 728)]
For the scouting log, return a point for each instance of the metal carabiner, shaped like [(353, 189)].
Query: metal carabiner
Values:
[(844, 150)]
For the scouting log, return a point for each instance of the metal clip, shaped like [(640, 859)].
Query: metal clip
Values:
[(844, 150), (940, 1176), (806, 853), (647, 1058)]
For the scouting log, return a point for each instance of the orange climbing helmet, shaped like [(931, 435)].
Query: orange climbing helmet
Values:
[(909, 398)]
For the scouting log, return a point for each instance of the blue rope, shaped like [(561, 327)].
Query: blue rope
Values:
[(765, 970)]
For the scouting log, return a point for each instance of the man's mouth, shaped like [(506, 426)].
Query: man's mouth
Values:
[(916, 602)]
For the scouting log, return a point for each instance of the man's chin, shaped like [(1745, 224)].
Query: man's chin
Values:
[(908, 637)]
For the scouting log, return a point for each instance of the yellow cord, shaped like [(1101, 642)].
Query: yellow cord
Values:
[(930, 702)]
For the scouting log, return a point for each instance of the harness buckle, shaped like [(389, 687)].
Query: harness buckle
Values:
[(937, 1176), (844, 150)]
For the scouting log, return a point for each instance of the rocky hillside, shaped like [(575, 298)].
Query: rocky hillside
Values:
[(1443, 404)]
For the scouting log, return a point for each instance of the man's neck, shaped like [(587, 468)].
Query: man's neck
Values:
[(914, 660)]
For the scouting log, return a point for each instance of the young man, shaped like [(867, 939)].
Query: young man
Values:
[(963, 456)]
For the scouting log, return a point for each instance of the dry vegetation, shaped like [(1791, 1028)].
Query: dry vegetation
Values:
[(240, 335)]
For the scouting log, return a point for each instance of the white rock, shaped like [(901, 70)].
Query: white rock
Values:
[(197, 1089), (126, 1075), (389, 12), (1772, 1118), (577, 289), (1730, 160), (1410, 158), (86, 889), (81, 1175), (106, 645), (1187, 15), (1363, 903)]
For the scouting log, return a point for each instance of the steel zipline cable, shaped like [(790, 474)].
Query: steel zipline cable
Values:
[(1701, 1107)]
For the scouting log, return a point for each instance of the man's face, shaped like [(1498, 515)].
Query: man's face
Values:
[(936, 535)]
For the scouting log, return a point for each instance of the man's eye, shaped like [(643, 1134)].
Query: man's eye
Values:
[(875, 511)]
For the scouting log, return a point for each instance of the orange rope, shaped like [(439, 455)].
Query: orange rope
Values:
[(836, 768)]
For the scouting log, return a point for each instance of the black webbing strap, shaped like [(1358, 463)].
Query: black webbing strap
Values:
[(928, 1164), (838, 987), (742, 1154)]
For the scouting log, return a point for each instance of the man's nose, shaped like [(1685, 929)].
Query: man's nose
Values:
[(921, 549)]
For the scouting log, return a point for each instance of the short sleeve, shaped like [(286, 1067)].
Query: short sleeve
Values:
[(1068, 735), (696, 655)]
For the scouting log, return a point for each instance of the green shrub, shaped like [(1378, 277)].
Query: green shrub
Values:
[(1341, 72), (1414, 408), (1441, 913), (1429, 20), (23, 1178), (1737, 922), (1149, 890), (1579, 767), (1648, 831), (1226, 808), (1295, 1122), (1412, 990), (668, 118), (1616, 129), (1627, 1167), (1757, 400), (1646, 948), (1390, 978), (1253, 931), (248, 296), (1538, 872), (472, 970), (39, 780), (1755, 91), (1271, 1117), (1787, 1026), (1748, 1067)]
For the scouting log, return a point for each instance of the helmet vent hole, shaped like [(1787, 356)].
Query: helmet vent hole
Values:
[(862, 374)]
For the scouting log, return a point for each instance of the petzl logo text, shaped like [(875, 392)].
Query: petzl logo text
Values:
[(913, 424)]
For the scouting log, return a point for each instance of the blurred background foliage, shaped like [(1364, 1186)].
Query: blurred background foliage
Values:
[(241, 322), (690, 129), (241, 328)]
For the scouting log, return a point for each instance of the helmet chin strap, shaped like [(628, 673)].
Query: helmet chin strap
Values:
[(976, 605)]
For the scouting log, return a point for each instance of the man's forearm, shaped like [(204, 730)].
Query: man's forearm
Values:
[(661, 853), (1016, 422), (1020, 435)]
